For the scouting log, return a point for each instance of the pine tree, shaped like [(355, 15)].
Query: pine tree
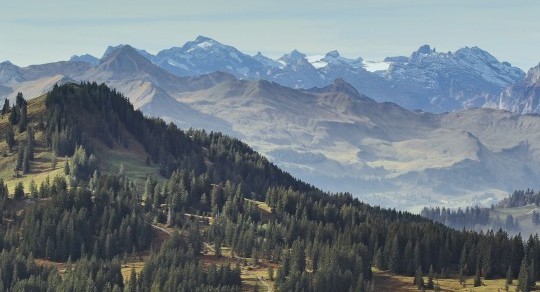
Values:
[(523, 284), (14, 116), (461, 276), (394, 258), (477, 280), (509, 276), (26, 160), (19, 191), (66, 167), (19, 100), (10, 137), (54, 161), (20, 155), (6, 108), (132, 284), (23, 118), (418, 279), (30, 142), (270, 273), (33, 189), (430, 283), (217, 247)]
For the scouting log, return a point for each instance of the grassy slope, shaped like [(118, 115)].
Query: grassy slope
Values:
[(41, 166), (132, 158), (385, 281), (521, 214)]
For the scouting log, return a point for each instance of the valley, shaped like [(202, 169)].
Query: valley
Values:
[(213, 208)]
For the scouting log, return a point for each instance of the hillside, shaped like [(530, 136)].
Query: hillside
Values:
[(141, 205), (519, 213), (342, 140)]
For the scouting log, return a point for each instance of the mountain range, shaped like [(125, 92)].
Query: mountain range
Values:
[(427, 80), (329, 121)]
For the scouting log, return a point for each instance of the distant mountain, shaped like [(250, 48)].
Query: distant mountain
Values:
[(151, 88), (339, 139), (205, 55), (426, 80), (441, 82), (522, 97), (36, 80), (86, 58), (334, 135)]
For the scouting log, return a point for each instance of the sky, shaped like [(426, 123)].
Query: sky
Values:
[(37, 31)]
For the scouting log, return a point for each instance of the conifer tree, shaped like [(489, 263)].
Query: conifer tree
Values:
[(477, 281), (6, 108), (23, 118), (14, 116), (66, 167), (19, 191), (523, 284), (509, 276), (10, 137), (26, 160), (461, 276), (418, 279), (270, 273), (20, 155), (430, 283)]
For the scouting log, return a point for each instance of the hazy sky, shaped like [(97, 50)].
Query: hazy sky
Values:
[(33, 31)]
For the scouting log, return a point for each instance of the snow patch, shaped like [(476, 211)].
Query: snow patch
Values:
[(374, 66), (205, 45), (176, 64), (317, 61)]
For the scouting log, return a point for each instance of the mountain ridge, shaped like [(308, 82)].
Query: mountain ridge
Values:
[(426, 80), (333, 135)]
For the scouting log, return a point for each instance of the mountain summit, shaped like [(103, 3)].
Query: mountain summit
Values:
[(522, 97), (205, 55), (449, 81)]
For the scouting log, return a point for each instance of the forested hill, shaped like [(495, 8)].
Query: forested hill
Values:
[(124, 178), (518, 213), (91, 115)]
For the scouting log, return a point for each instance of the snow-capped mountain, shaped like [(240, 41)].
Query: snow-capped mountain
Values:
[(205, 55), (427, 80), (522, 97), (333, 58), (449, 81), (334, 135)]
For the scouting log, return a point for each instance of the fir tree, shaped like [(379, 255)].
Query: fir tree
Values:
[(523, 284), (19, 191), (430, 283), (477, 280), (418, 279), (461, 276), (14, 116), (10, 137), (26, 160), (270, 273), (509, 276), (6, 108), (23, 118)]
